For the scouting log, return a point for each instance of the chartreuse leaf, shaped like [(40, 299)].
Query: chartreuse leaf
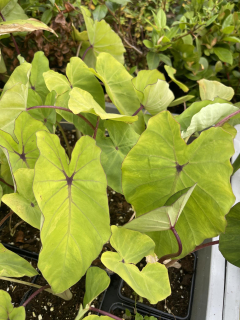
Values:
[(186, 116), (23, 202), (102, 39), (114, 148), (1, 193), (28, 25), (69, 195), (152, 90), (119, 87), (208, 116), (97, 281), (162, 218), (7, 312), (154, 172), (209, 90), (3, 68), (4, 3), (24, 152), (171, 71), (131, 247), (12, 265), (82, 101), (229, 242)]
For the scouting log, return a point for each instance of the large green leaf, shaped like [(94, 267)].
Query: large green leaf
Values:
[(121, 139), (102, 39), (208, 116), (82, 101), (162, 218), (24, 152), (209, 90), (119, 87), (12, 265), (229, 242), (73, 199), (7, 312), (146, 77), (23, 202), (153, 172), (4, 3), (171, 71), (131, 247), (97, 281)]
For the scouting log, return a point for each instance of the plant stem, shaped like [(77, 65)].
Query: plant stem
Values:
[(172, 255), (24, 282), (220, 123), (35, 294), (96, 128), (13, 39), (7, 184), (64, 109), (86, 51), (138, 110), (65, 139), (6, 217), (205, 245), (104, 313)]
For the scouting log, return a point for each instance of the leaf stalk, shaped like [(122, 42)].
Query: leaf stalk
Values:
[(173, 255), (35, 294)]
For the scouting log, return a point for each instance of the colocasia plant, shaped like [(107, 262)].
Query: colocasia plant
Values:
[(174, 170)]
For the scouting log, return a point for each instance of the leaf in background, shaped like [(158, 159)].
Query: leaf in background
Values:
[(160, 19), (24, 152), (131, 247), (208, 116), (12, 265), (13, 11), (3, 3), (7, 312), (122, 138), (223, 54), (97, 280), (162, 218), (153, 59), (47, 16), (28, 25), (181, 100), (153, 172), (119, 87), (209, 90), (100, 12), (23, 202), (171, 71), (229, 242), (82, 102), (2, 64), (102, 39), (69, 195), (1, 193)]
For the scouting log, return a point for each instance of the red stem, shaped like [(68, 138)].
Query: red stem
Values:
[(13, 39), (6, 217), (220, 123), (86, 51), (96, 129), (64, 109), (7, 184), (173, 255), (138, 110), (104, 313), (205, 245), (35, 294)]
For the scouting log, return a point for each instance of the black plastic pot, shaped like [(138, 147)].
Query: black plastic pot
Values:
[(114, 296)]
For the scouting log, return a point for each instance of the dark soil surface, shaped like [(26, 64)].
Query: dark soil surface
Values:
[(180, 279)]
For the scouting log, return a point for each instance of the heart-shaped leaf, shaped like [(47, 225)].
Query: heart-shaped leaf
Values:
[(162, 218), (23, 202), (82, 101), (114, 148), (12, 265), (24, 152), (97, 281), (229, 242), (153, 172), (131, 247), (69, 195), (102, 39), (209, 90), (7, 312), (115, 76)]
